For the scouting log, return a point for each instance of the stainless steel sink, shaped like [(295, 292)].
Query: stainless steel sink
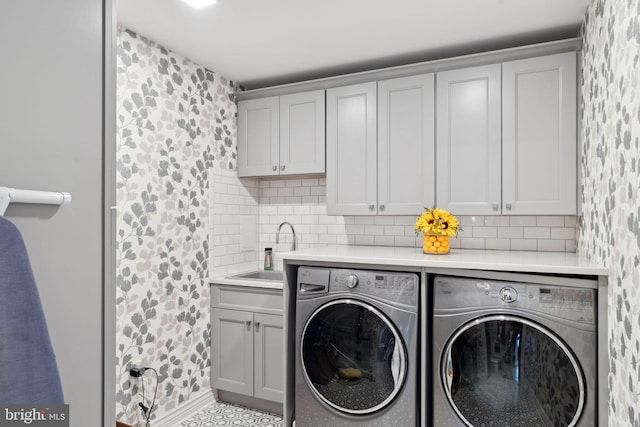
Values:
[(270, 276)]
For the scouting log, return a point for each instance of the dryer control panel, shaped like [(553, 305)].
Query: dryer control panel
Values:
[(575, 304)]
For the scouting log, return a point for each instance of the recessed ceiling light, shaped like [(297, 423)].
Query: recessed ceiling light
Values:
[(199, 3)]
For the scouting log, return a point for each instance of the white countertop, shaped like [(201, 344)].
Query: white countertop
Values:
[(249, 283), (516, 261)]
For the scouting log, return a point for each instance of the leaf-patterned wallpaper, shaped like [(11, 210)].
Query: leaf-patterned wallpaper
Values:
[(610, 186), (175, 122)]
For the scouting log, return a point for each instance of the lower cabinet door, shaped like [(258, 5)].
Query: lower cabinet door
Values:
[(232, 350), (269, 357)]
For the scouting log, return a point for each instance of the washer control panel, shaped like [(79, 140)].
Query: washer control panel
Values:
[(401, 288)]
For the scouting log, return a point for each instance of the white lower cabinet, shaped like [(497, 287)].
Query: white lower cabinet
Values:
[(247, 345)]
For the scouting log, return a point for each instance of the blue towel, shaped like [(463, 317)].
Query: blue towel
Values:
[(28, 370)]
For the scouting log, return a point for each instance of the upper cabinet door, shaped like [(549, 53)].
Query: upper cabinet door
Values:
[(406, 151), (539, 135), (351, 150), (468, 140), (302, 143), (258, 137)]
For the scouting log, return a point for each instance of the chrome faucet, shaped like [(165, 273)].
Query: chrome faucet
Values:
[(292, 230)]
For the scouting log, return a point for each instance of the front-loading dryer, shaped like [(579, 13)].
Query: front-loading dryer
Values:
[(356, 348), (514, 353)]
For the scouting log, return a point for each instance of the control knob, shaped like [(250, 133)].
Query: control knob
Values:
[(352, 281), (508, 294)]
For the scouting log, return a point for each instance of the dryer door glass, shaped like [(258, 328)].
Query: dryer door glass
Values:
[(353, 358), (510, 371)]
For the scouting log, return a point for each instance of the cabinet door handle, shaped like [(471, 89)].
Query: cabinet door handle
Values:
[(495, 206), (247, 322), (508, 206), (282, 167), (372, 207), (381, 207), (257, 325), (275, 168)]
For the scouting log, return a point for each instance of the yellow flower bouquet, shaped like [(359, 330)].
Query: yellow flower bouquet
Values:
[(437, 225)]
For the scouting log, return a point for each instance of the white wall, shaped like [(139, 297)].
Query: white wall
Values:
[(51, 121)]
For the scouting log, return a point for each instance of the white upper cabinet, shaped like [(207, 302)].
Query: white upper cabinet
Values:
[(539, 135), (506, 138), (282, 135), (468, 140), (302, 142), (406, 151), (351, 150), (380, 147), (258, 137)]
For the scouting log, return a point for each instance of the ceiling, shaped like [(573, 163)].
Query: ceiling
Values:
[(260, 43)]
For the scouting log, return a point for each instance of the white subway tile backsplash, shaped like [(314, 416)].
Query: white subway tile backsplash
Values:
[(302, 191), (409, 230), (310, 199), (472, 243), (365, 240), (285, 192), (336, 229), (471, 220), (498, 244), (496, 221), (570, 221), (383, 220), (384, 241), (405, 220), (524, 245), (376, 230), (550, 221), (566, 233), (406, 241), (302, 203), (354, 229), (394, 230), (510, 232), (551, 245), (364, 220), (309, 219), (293, 183), (522, 221), (491, 232), (537, 233)]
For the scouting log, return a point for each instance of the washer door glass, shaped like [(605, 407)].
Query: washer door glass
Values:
[(508, 371), (353, 358)]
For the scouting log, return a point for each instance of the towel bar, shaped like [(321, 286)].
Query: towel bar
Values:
[(13, 195)]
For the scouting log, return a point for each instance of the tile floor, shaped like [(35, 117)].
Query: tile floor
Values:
[(222, 414)]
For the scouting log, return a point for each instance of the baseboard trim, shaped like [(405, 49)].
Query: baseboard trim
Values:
[(178, 415)]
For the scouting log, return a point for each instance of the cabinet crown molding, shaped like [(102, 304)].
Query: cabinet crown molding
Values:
[(483, 58)]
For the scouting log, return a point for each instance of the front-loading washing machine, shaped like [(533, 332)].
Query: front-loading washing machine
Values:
[(514, 353), (356, 348)]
